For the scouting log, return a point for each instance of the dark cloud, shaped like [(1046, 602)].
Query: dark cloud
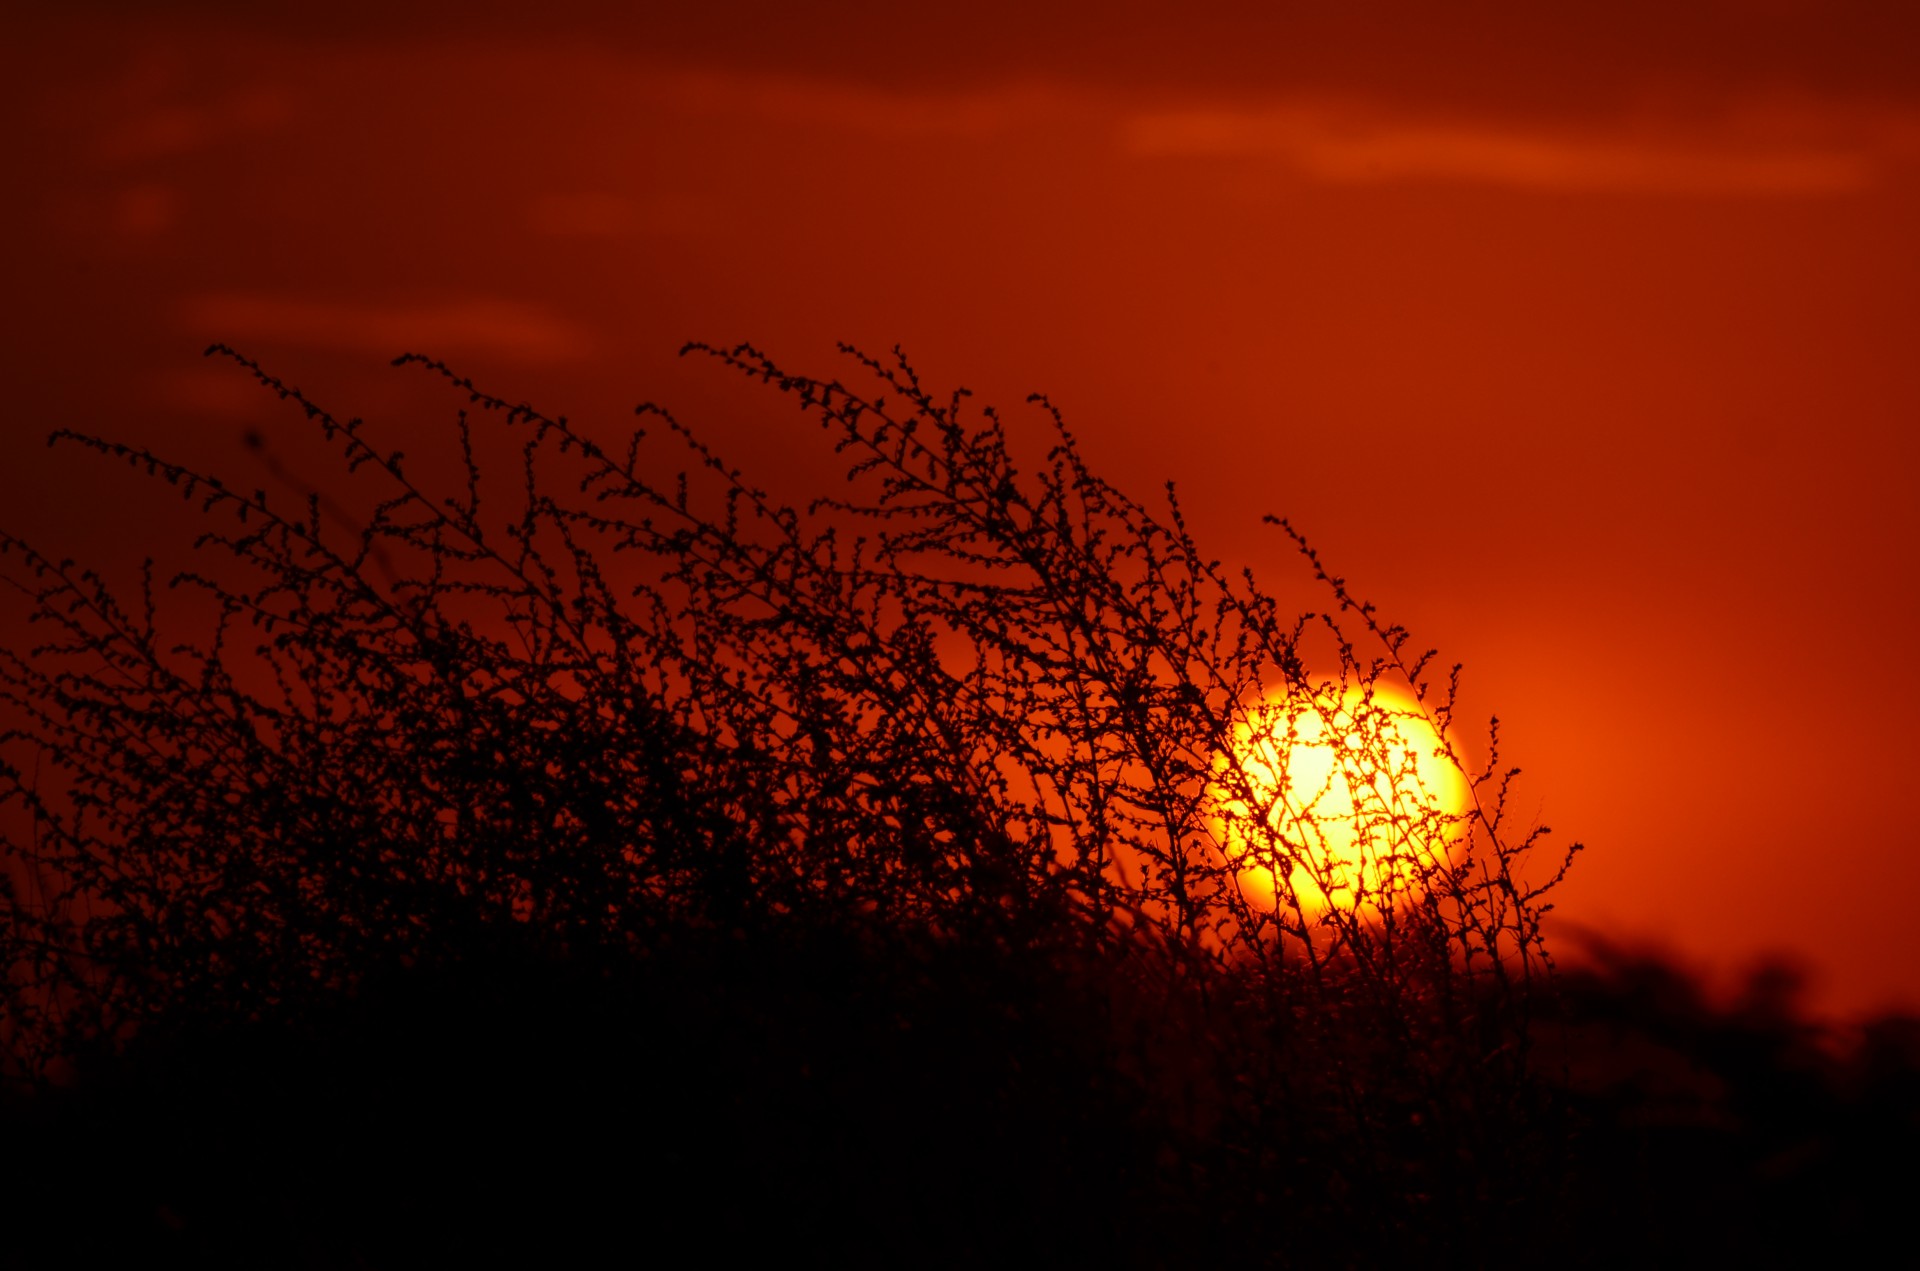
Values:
[(1496, 55)]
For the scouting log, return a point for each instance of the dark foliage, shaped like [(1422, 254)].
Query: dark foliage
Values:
[(573, 848), (1728, 1132), (758, 1100), (1011, 708)]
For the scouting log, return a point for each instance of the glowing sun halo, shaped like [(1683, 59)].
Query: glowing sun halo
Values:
[(1359, 799)]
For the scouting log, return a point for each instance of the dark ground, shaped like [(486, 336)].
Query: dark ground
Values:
[(909, 1103)]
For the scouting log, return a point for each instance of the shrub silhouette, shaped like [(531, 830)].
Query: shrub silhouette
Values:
[(1744, 1130), (956, 747)]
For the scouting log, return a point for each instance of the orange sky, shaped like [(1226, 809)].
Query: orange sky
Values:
[(1581, 337)]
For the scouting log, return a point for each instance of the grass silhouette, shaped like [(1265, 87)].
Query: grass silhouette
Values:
[(557, 840)]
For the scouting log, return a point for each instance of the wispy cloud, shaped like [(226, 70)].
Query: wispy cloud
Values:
[(518, 332), (1758, 149), (1323, 146), (827, 103), (151, 126)]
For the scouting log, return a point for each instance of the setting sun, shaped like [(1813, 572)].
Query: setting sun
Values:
[(1350, 793)]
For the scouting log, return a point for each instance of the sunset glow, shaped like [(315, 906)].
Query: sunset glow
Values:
[(988, 633), (1577, 336), (1355, 789)]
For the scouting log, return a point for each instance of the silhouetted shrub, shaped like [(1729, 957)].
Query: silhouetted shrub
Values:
[(963, 788), (1699, 1131)]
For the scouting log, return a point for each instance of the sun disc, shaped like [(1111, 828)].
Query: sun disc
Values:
[(1349, 799)]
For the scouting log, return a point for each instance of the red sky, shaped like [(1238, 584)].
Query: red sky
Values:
[(1581, 337)]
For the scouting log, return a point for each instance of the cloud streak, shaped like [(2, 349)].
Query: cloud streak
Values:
[(529, 334), (828, 103), (1321, 146)]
